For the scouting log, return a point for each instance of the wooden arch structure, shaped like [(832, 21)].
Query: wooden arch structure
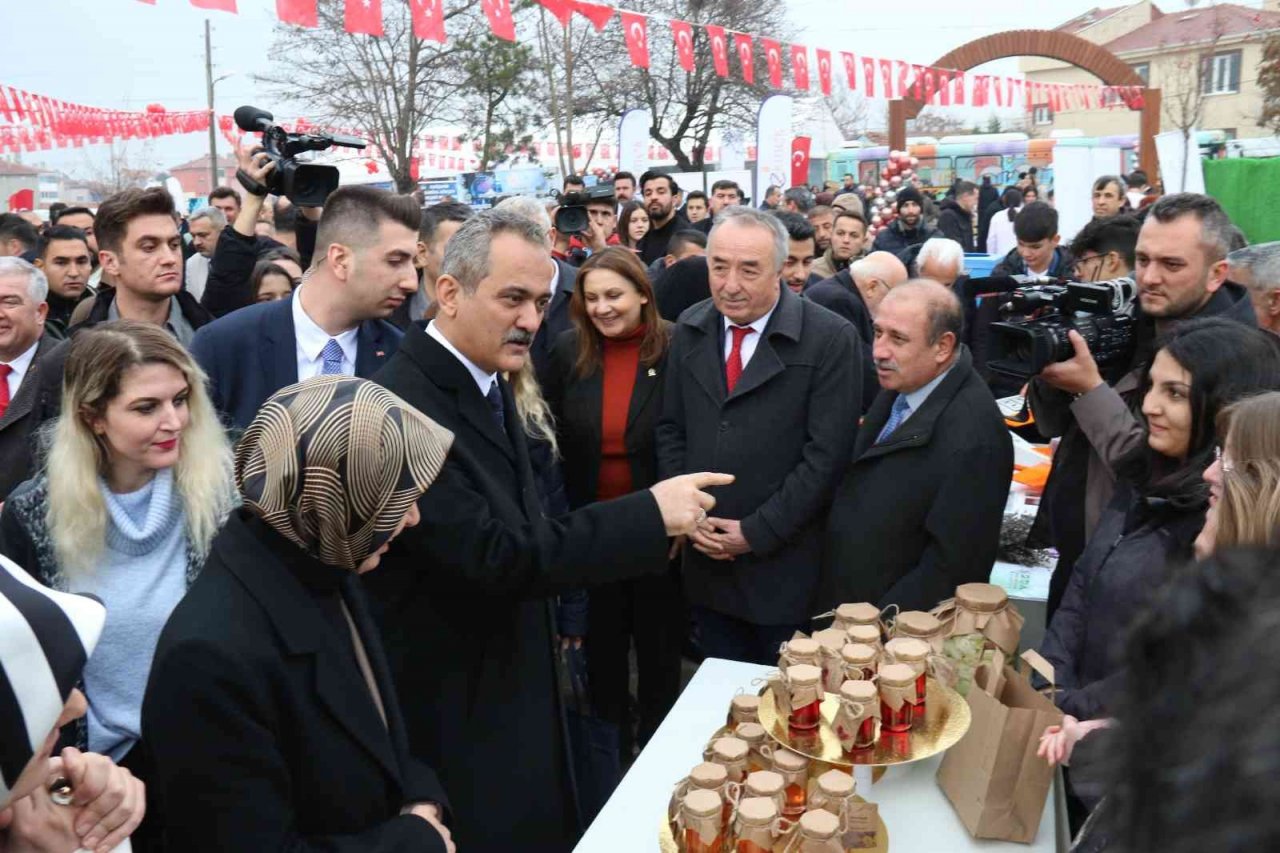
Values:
[(1050, 44)]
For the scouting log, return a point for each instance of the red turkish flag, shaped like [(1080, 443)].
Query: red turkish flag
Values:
[(980, 90), (4, 106), (850, 69), (800, 161), (800, 66), (773, 56), (636, 30), (742, 47), (917, 82), (500, 21), (904, 77), (869, 75), (959, 82), (561, 10), (944, 88), (598, 15), (824, 71), (930, 86), (363, 17), (216, 5), (23, 200), (300, 13), (428, 20), (886, 76), (682, 32), (719, 49)]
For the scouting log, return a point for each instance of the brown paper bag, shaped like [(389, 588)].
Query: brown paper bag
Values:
[(993, 777)]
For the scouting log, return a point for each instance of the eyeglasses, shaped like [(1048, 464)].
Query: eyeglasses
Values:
[(1220, 456), (1079, 265)]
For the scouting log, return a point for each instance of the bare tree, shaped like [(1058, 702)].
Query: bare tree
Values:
[(850, 112), (932, 123), (1269, 83), (495, 94), (388, 87), (1188, 80), (126, 165)]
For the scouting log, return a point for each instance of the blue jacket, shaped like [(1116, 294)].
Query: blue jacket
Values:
[(251, 353)]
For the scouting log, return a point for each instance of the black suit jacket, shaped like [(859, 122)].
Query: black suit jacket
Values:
[(555, 321), (262, 729), (841, 295), (18, 443), (921, 513), (252, 353), (786, 433), (463, 610), (577, 404)]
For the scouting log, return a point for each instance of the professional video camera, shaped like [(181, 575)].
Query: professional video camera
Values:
[(304, 184), (571, 216), (1037, 317)]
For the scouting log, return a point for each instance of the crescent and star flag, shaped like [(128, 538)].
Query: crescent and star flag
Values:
[(800, 66), (719, 49), (800, 161), (636, 29), (682, 32), (773, 55), (742, 47)]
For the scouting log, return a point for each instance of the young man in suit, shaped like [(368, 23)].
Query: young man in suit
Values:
[(765, 385), (335, 322), (463, 596)]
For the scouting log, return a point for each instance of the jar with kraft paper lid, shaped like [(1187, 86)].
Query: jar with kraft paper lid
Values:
[(799, 650), (700, 823), (868, 635), (794, 770), (745, 708), (755, 736), (920, 625), (819, 832), (855, 722), (768, 784), (858, 613), (731, 752), (832, 791), (860, 661), (897, 690), (758, 827), (804, 682), (915, 654), (831, 641)]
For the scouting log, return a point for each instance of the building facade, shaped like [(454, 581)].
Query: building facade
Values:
[(14, 178)]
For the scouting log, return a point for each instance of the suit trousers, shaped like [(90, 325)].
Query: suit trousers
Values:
[(722, 636), (648, 612)]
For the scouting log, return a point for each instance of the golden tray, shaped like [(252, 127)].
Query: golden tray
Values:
[(667, 836), (947, 718)]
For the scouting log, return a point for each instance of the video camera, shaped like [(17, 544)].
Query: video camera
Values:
[(1037, 318), (304, 184), (571, 216)]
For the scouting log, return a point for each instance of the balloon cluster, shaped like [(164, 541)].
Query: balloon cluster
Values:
[(603, 174), (882, 196)]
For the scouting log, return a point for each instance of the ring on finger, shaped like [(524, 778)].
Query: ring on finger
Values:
[(702, 516)]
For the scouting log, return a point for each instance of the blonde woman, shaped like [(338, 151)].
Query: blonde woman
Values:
[(1244, 479), (137, 483)]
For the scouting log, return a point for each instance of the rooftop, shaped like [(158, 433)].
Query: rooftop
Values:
[(1192, 26), (1087, 19), (10, 168), (202, 162)]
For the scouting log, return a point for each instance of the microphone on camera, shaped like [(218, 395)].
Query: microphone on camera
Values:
[(252, 119)]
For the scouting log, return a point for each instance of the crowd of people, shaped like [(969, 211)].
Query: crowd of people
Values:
[(352, 487)]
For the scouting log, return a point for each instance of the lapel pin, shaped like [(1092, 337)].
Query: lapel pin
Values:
[(653, 372)]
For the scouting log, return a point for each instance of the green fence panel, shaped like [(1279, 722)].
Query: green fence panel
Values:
[(1246, 188)]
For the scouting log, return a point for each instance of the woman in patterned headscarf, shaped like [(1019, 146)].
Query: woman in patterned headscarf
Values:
[(270, 710)]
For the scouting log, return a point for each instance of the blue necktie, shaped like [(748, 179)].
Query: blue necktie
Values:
[(331, 355), (495, 403), (896, 416)]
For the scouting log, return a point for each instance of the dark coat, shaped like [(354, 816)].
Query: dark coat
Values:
[(681, 286), (954, 223), (786, 433), (231, 268), (262, 729), (555, 321), (1136, 543), (896, 239), (841, 295), (653, 245), (921, 513), (19, 452), (464, 616), (576, 402), (1013, 264), (250, 354)]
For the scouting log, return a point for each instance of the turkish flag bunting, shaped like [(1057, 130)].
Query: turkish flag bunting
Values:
[(742, 47), (1008, 92), (930, 86), (300, 13), (561, 10), (800, 161), (917, 82), (886, 76), (428, 20), (850, 69), (944, 88), (869, 75), (719, 49), (597, 14), (800, 66), (682, 32), (215, 5), (824, 71), (904, 70), (4, 107), (500, 21), (959, 81), (363, 17), (980, 90), (773, 57), (636, 30)]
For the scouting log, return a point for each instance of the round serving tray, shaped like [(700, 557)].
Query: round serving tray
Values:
[(947, 718)]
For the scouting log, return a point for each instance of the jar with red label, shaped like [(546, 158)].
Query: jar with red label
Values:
[(804, 682), (897, 690), (855, 723)]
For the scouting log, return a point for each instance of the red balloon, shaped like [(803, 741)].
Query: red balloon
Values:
[(155, 108)]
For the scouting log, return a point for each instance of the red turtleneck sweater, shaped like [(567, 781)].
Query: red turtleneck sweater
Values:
[(621, 357)]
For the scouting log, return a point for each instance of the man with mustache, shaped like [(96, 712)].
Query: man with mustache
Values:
[(659, 194), (463, 597), (920, 508)]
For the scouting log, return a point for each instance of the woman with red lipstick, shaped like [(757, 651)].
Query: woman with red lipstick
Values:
[(1160, 501), (136, 484)]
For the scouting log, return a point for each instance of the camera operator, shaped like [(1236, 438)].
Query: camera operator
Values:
[(239, 246), (1179, 262)]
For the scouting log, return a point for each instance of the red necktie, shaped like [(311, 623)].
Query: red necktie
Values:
[(733, 366), (6, 369)]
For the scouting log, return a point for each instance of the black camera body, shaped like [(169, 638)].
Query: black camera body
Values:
[(304, 184), (1037, 318), (571, 216)]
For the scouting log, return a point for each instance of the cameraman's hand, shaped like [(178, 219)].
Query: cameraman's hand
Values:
[(1078, 374), (596, 237)]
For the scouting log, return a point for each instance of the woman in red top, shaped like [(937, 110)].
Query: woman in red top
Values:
[(606, 393)]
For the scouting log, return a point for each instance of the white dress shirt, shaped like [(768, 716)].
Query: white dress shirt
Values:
[(555, 280), (484, 381), (916, 398), (310, 340), (197, 274), (20, 366), (750, 341)]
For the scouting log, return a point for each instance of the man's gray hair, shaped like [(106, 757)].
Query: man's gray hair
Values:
[(37, 284), (750, 217), (943, 251), (1262, 261), (528, 207), (466, 255), (801, 198), (216, 217)]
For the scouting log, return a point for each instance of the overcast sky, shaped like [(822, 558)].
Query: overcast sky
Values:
[(125, 54)]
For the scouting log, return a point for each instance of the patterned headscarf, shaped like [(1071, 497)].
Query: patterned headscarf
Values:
[(334, 463)]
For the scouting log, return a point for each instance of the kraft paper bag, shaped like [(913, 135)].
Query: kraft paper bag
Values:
[(993, 777)]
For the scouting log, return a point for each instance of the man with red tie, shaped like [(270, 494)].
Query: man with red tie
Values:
[(23, 345), (767, 386)]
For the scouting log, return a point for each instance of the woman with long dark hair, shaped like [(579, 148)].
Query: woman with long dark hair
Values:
[(606, 393), (1000, 237), (633, 224)]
